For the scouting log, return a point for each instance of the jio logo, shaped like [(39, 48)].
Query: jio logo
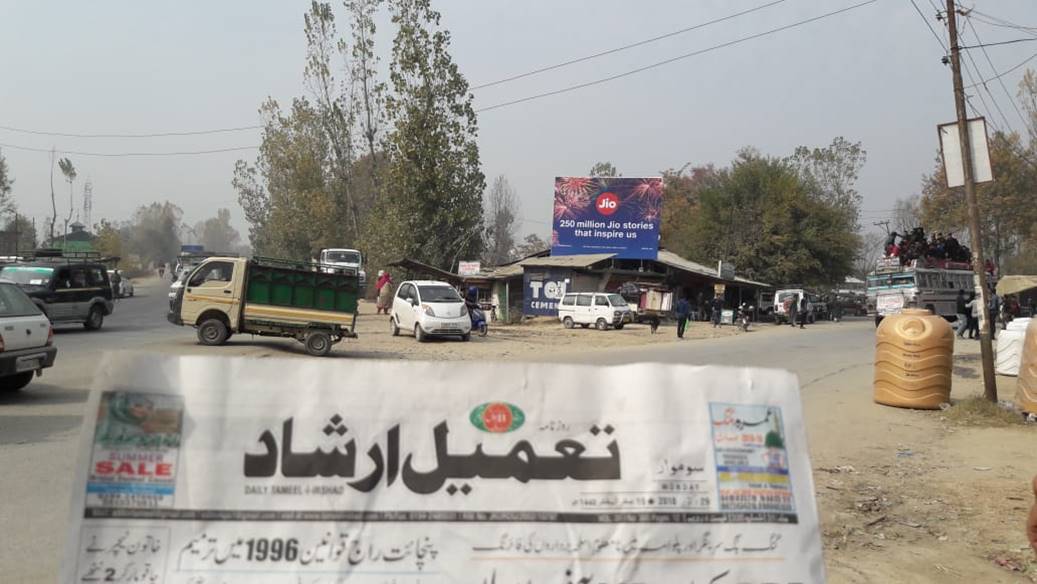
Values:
[(607, 203)]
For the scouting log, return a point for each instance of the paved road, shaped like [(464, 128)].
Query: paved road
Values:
[(40, 427)]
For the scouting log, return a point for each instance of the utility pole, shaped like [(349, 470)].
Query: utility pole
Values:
[(883, 224), (985, 346)]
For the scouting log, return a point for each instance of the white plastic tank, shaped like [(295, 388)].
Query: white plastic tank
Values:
[(1010, 347)]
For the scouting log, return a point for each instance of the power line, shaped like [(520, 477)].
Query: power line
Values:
[(625, 47), (1005, 72), (929, 25), (999, 43), (1002, 22), (126, 154), (961, 37), (674, 59), (997, 76), (153, 135)]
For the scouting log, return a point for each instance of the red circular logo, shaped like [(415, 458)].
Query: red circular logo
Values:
[(497, 418), (607, 203)]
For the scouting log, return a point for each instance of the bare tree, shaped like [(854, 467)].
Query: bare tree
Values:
[(70, 173), (869, 253), (53, 201), (907, 214), (501, 213), (368, 92)]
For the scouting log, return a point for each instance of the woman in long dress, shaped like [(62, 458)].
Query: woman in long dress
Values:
[(384, 287)]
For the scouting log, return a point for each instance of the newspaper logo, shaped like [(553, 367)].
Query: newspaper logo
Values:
[(497, 417)]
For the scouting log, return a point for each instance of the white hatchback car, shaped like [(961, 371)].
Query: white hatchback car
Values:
[(594, 308), (26, 341), (429, 308)]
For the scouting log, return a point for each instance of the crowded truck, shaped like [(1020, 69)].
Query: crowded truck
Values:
[(224, 296)]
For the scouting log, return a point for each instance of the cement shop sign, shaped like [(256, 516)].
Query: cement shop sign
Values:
[(543, 291), (607, 215)]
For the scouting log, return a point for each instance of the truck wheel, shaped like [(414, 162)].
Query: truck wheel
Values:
[(394, 330), (419, 335), (95, 319), (567, 322), (318, 343), (15, 382), (619, 327), (602, 324), (212, 332)]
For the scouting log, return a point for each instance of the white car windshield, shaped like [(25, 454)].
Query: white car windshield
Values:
[(438, 294), (27, 275), (342, 257)]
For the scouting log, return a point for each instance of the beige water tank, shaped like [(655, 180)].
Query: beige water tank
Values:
[(914, 353), (1026, 395)]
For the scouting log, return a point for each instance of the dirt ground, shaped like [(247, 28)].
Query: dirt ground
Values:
[(917, 496)]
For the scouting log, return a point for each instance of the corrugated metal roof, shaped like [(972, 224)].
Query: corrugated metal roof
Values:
[(675, 261), (567, 261)]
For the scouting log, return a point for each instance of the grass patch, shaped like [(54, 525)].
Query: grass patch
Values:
[(978, 411)]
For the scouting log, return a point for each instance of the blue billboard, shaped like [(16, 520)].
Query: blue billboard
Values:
[(607, 215), (544, 290)]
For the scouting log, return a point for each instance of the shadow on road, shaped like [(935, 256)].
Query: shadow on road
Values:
[(41, 394), (31, 429)]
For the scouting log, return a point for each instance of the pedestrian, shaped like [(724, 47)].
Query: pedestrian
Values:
[(700, 306), (802, 310), (973, 307), (994, 305), (792, 310), (384, 287), (959, 308), (718, 307), (161, 270), (683, 312)]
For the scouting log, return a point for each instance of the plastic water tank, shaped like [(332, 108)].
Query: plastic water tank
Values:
[(1026, 395), (1010, 347), (914, 353)]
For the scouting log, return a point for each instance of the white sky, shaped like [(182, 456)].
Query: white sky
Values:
[(872, 74)]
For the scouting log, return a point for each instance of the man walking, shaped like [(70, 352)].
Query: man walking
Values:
[(683, 311), (792, 310), (802, 310), (718, 307), (959, 309)]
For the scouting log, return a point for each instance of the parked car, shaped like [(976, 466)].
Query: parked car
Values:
[(594, 308), (430, 309), (124, 288), (66, 291), (26, 339)]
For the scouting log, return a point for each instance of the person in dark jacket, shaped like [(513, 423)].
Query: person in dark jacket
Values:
[(961, 311), (683, 312), (802, 310), (792, 311), (718, 307)]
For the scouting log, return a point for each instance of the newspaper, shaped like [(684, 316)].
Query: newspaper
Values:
[(199, 470)]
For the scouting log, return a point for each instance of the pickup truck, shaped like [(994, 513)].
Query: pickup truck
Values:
[(223, 296)]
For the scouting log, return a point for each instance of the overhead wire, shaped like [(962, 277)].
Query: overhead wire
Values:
[(996, 76), (151, 135), (625, 47), (1006, 71), (984, 87), (673, 59), (126, 154)]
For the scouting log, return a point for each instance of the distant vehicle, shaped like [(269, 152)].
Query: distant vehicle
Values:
[(177, 284), (814, 304), (430, 309), (27, 340), (66, 290), (649, 302), (344, 260), (267, 297), (594, 308), (932, 285), (124, 289)]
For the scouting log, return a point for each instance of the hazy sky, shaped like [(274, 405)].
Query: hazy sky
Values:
[(872, 74)]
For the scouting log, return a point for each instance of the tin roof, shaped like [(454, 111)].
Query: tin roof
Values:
[(567, 261)]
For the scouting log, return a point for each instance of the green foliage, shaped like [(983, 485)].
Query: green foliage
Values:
[(431, 206), (19, 234), (217, 234), (531, 244), (109, 240), (6, 184), (153, 235), (604, 169), (830, 174), (763, 217)]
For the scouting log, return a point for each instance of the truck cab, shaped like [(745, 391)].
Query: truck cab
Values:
[(342, 260)]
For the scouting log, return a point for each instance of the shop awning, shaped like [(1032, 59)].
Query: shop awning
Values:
[(1015, 284)]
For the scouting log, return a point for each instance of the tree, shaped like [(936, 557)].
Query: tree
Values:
[(501, 213), (761, 216), (19, 234), (1028, 97), (154, 233), (70, 174), (431, 209), (217, 234), (681, 191), (368, 92), (604, 169), (868, 254), (531, 244), (907, 214), (832, 172), (6, 185), (109, 239)]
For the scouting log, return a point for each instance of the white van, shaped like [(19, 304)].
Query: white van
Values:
[(594, 308)]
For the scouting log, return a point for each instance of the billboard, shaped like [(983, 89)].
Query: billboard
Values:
[(617, 215), (543, 291)]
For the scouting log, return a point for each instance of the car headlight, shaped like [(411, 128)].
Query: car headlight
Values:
[(428, 310), (464, 310)]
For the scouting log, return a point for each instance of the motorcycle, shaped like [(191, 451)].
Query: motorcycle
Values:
[(478, 317), (743, 316)]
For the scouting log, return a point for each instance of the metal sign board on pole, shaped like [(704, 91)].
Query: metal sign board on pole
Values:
[(950, 149)]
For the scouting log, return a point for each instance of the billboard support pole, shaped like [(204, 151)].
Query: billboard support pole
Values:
[(985, 345)]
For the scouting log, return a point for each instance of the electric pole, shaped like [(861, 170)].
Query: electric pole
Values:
[(985, 346)]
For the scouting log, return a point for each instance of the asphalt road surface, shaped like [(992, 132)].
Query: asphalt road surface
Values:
[(39, 427)]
